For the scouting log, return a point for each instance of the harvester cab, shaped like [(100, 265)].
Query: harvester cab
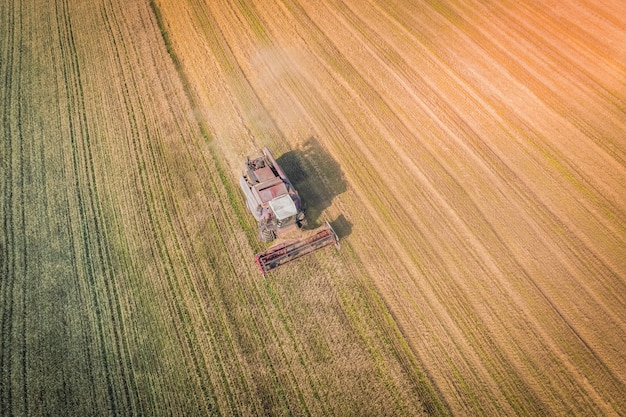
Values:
[(277, 207)]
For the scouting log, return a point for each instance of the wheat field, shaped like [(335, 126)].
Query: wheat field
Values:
[(471, 155)]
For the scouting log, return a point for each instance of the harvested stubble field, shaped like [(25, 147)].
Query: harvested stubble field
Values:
[(471, 155)]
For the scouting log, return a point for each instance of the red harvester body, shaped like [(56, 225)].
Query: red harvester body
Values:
[(273, 201)]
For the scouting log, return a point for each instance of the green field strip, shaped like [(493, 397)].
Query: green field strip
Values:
[(87, 208), (74, 274), (89, 271), (85, 198), (9, 263), (80, 164)]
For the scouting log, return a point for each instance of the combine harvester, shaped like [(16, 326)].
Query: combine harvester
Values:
[(277, 207)]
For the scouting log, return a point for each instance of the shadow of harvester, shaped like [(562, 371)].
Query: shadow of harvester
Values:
[(318, 179)]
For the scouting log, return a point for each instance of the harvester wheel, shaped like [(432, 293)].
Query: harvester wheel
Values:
[(300, 220), (267, 235)]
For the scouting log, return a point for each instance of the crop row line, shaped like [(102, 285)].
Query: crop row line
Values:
[(22, 205), (70, 74), (13, 257), (8, 234), (8, 260)]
